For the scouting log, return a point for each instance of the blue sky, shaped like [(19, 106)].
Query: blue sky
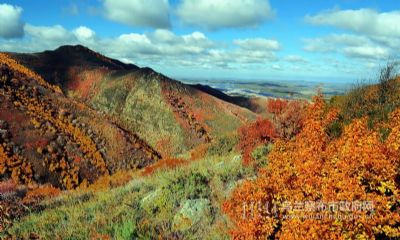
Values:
[(232, 39)]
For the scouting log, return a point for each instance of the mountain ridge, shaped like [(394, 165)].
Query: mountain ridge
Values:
[(140, 99), (49, 138), (71, 103)]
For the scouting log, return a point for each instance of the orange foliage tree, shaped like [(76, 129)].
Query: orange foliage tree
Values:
[(313, 168), (253, 135)]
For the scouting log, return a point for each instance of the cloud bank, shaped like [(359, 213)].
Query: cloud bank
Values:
[(139, 13), (219, 14), (11, 25)]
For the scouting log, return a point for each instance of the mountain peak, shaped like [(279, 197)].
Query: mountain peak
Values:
[(76, 48)]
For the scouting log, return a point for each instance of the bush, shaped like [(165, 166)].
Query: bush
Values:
[(376, 101), (192, 186), (252, 135), (223, 145), (167, 163), (41, 193), (357, 167), (287, 116), (199, 151), (334, 129), (260, 153), (355, 103)]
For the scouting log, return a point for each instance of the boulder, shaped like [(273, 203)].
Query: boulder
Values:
[(192, 212)]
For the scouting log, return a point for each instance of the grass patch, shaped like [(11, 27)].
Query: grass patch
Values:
[(145, 208)]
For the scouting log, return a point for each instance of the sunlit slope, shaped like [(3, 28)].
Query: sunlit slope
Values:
[(166, 113)]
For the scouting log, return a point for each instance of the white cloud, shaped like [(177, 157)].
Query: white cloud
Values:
[(156, 49), (39, 38), (367, 52), (353, 46), (84, 34), (260, 44), (217, 14), (331, 42), (295, 59), (248, 51), (194, 50), (55, 33), (163, 43), (363, 21), (374, 35), (11, 25), (145, 13), (136, 43)]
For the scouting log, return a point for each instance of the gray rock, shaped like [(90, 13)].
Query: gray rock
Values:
[(191, 213), (61, 141)]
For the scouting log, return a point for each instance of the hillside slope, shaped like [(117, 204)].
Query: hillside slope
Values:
[(171, 116), (48, 138)]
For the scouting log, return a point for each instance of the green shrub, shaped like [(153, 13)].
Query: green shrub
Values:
[(335, 129), (384, 133), (223, 145), (374, 101), (260, 154), (192, 186)]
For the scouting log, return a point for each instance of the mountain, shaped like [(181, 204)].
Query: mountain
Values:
[(71, 115), (171, 116), (48, 138)]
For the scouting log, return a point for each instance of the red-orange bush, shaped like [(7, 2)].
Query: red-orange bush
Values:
[(357, 166), (168, 163), (105, 182), (253, 135), (41, 193), (287, 116), (276, 106), (199, 152), (7, 186)]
